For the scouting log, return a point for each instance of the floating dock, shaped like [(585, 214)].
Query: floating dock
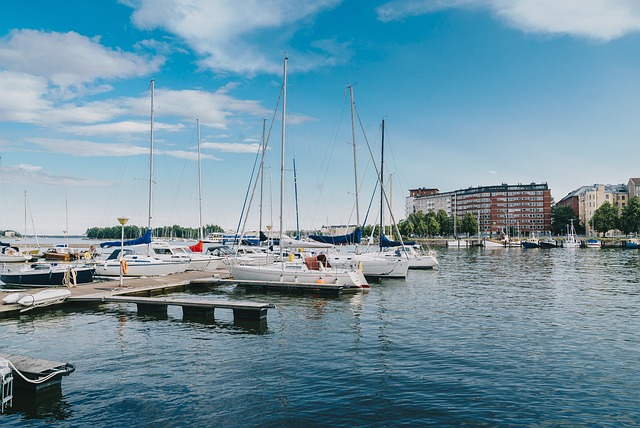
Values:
[(40, 374), (139, 291)]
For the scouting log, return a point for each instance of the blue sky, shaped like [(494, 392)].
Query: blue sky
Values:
[(473, 92)]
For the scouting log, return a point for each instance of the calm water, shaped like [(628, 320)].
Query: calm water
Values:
[(492, 338)]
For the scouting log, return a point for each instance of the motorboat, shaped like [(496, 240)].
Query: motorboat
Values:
[(183, 253), (594, 243), (48, 275), (137, 261)]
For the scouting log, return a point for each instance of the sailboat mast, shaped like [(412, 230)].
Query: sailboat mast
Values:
[(151, 159), (284, 116), (355, 164), (200, 231), (381, 185), (295, 189), (264, 147)]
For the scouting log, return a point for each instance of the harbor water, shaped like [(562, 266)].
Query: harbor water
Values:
[(506, 337)]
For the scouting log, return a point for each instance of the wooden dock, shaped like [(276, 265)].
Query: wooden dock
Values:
[(140, 291)]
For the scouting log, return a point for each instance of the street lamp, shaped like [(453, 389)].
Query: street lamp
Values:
[(122, 221)]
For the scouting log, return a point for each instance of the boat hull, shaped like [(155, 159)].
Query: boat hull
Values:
[(47, 278), (293, 272), (137, 268)]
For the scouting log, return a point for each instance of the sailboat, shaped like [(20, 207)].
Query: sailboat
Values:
[(193, 254), (139, 259), (381, 263), (571, 240), (314, 269)]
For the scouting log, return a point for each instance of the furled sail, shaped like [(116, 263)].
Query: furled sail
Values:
[(144, 239), (386, 242), (351, 238)]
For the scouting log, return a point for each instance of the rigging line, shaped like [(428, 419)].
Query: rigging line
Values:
[(244, 205), (384, 193), (370, 161), (395, 164), (324, 167), (184, 167)]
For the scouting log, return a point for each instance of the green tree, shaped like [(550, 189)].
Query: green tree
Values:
[(444, 221), (630, 217), (561, 217), (469, 224), (433, 226), (605, 218)]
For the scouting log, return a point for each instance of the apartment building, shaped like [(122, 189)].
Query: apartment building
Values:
[(522, 207), (587, 199)]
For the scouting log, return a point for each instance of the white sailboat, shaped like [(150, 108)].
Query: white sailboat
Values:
[(571, 239), (139, 260), (314, 269)]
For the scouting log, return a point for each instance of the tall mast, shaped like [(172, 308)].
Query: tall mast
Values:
[(151, 159), (200, 231), (381, 185), (355, 164), (295, 189), (264, 147), (284, 116)]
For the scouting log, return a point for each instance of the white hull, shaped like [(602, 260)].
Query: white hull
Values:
[(372, 265), (206, 263), (492, 244), (140, 267), (16, 258), (422, 262), (298, 272)]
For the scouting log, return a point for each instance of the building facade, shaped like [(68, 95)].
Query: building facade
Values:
[(524, 208), (587, 199)]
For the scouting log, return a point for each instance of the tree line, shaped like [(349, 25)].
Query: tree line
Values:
[(132, 232), (605, 218)]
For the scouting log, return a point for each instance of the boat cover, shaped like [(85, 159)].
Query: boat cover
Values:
[(144, 239), (351, 238)]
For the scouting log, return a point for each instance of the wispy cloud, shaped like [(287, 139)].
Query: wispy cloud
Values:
[(93, 149), (26, 173), (232, 147), (601, 20), (229, 39)]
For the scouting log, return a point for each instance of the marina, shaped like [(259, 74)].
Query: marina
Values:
[(490, 337)]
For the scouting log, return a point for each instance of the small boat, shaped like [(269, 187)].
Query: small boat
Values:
[(571, 239), (60, 253), (9, 254), (548, 243), (594, 243), (48, 275), (531, 242), (632, 244), (43, 298)]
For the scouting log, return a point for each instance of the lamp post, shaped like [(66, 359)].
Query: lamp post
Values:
[(122, 221)]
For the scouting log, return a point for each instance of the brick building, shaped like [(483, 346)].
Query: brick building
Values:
[(523, 207)]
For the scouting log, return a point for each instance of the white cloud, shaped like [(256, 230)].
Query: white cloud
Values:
[(228, 34), (70, 61), (232, 147), (601, 20)]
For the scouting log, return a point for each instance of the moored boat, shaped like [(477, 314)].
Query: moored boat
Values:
[(594, 243), (48, 275)]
